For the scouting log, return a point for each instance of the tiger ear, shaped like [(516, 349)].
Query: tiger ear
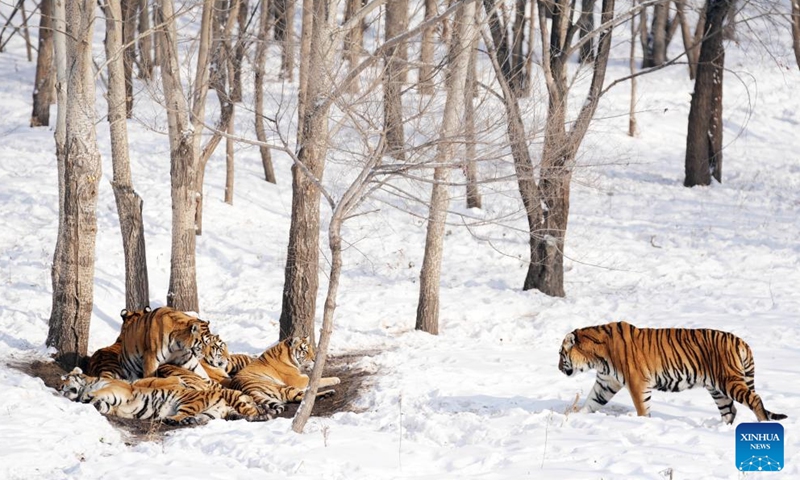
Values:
[(570, 339), (76, 371), (147, 309), (123, 313), (195, 327), (295, 341)]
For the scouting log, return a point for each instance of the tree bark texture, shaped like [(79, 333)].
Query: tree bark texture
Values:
[(586, 25), (145, 42), (517, 43), (704, 136), (260, 63), (129, 17), (426, 51), (305, 58), (129, 203), (394, 75), (43, 84), (73, 293), (430, 274), (284, 33), (302, 257), (182, 293)]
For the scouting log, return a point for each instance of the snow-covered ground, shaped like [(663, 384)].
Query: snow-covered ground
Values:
[(483, 399)]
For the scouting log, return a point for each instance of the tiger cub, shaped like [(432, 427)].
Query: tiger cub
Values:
[(172, 405), (164, 335), (276, 378), (665, 359)]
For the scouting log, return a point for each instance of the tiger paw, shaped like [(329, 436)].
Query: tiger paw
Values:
[(326, 393)]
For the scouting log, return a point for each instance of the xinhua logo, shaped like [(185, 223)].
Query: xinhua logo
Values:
[(759, 447)]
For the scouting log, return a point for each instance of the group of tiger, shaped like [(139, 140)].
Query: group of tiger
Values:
[(168, 366)]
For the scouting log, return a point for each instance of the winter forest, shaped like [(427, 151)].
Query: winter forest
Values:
[(430, 194)]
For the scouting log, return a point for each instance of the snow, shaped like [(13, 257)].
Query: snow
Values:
[(484, 398)]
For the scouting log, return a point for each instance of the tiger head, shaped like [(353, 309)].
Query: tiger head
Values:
[(301, 352), (195, 336), (215, 352), (73, 384), (581, 351)]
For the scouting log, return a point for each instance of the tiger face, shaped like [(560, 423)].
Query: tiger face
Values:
[(301, 352), (72, 384), (580, 353), (215, 352)]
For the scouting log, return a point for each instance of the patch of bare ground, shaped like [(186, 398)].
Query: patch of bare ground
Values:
[(354, 381)]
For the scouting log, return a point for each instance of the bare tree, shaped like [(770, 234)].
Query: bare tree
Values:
[(260, 61), (43, 85), (470, 138), (394, 75), (546, 270), (301, 280), (182, 293), (129, 203), (704, 137), (632, 131), (428, 305), (74, 259)]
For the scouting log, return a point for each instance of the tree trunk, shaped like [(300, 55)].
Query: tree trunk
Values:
[(302, 258), (284, 31), (393, 77), (305, 56), (470, 165), (686, 34), (129, 16), (586, 25), (145, 42), (518, 40), (260, 62), (43, 85), (74, 260), (428, 306), (426, 52), (129, 204), (698, 41), (657, 53), (182, 293), (796, 30), (500, 39), (704, 137)]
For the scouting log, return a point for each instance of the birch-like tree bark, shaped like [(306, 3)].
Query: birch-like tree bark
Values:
[(73, 292), (129, 203), (426, 51), (145, 42), (430, 274), (796, 30)]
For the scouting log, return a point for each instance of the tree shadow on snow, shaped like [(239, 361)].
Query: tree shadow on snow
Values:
[(354, 381)]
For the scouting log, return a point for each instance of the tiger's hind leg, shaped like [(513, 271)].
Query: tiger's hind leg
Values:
[(724, 403), (603, 390), (738, 389)]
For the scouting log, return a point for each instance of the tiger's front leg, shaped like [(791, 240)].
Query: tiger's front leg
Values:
[(329, 381), (640, 392), (603, 390)]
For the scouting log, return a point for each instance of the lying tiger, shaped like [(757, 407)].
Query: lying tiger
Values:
[(159, 399), (665, 359), (276, 377)]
